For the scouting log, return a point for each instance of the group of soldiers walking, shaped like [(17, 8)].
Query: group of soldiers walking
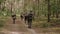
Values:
[(28, 17)]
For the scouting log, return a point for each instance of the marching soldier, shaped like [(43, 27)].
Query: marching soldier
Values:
[(25, 18), (21, 17), (14, 18), (30, 17)]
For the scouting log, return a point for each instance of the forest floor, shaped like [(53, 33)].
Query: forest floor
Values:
[(21, 28)]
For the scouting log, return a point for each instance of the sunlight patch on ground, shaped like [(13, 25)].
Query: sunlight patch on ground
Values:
[(16, 33), (11, 32)]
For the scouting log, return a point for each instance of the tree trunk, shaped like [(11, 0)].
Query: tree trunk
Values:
[(57, 14), (38, 9), (53, 13), (49, 13)]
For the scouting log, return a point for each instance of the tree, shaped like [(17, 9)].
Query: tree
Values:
[(49, 11), (1, 1), (38, 8), (57, 12)]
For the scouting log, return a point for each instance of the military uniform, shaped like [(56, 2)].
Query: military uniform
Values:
[(14, 18), (21, 17), (25, 18), (30, 17)]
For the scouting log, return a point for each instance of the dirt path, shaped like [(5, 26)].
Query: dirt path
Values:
[(21, 28), (31, 30), (18, 28)]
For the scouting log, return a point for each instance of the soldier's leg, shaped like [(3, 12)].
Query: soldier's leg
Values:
[(13, 21), (25, 20), (21, 17), (29, 23)]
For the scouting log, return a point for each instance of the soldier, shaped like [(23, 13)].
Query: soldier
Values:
[(25, 17), (21, 17), (14, 18), (30, 17)]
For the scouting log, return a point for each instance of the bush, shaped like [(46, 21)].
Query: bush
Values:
[(1, 23), (43, 25), (46, 25)]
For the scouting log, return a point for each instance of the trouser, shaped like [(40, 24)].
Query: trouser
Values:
[(13, 21), (21, 17), (25, 20), (29, 23)]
